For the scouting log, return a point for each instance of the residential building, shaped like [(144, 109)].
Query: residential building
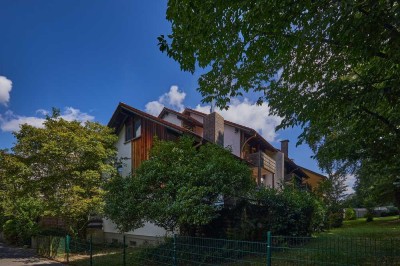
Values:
[(136, 131)]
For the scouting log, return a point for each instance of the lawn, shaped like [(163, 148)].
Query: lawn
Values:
[(383, 227), (356, 243)]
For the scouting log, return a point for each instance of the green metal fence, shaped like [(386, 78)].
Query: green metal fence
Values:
[(276, 250)]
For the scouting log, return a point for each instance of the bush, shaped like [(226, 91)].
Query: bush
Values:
[(335, 220), (369, 216), (19, 232), (319, 219), (350, 214), (52, 231), (392, 211), (290, 212)]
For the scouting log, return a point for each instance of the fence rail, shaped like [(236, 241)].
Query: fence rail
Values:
[(182, 250)]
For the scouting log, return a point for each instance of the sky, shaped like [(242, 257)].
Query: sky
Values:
[(84, 57)]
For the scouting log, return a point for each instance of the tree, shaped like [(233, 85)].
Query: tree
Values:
[(330, 67), (374, 188), (62, 166), (20, 206), (331, 192), (179, 185)]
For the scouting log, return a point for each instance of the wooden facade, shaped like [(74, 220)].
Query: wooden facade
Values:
[(142, 145)]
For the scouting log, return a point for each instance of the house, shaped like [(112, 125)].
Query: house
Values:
[(313, 179), (136, 131)]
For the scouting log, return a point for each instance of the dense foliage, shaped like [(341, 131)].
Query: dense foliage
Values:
[(331, 67), (55, 171), (180, 184), (289, 212), (350, 214), (331, 191)]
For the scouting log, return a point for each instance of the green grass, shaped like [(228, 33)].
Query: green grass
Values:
[(356, 243), (383, 227)]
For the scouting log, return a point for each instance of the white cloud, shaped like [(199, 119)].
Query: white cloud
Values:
[(350, 181), (251, 115), (172, 99), (71, 114), (10, 122), (42, 112), (5, 89), (154, 108), (242, 112)]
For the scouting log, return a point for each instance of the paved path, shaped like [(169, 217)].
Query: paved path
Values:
[(12, 256)]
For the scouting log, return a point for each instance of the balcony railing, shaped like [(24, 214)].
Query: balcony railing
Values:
[(263, 160)]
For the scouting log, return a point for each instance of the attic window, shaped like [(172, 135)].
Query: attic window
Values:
[(133, 128), (128, 130)]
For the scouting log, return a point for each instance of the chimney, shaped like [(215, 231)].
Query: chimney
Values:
[(285, 147), (213, 128)]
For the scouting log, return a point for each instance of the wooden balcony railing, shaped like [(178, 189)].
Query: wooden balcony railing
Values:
[(263, 160)]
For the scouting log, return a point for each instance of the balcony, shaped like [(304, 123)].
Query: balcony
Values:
[(263, 160)]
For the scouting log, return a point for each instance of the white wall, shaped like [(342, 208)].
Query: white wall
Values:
[(148, 229), (268, 182), (197, 117), (124, 151), (279, 168), (172, 118), (232, 139)]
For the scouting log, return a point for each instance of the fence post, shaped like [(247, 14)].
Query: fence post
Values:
[(124, 251), (91, 251), (174, 251), (269, 248), (67, 242)]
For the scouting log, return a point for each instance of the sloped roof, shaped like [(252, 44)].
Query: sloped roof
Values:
[(181, 116), (116, 122), (122, 109), (315, 173), (247, 129)]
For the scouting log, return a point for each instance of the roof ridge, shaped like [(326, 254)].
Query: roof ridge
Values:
[(155, 118)]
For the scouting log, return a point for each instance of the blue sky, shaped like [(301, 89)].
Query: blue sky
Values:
[(86, 56)]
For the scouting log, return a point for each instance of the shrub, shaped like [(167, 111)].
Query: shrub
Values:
[(369, 216), (19, 232), (335, 220), (287, 212), (52, 231), (392, 211), (350, 214)]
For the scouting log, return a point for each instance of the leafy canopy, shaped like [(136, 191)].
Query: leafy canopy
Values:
[(62, 166), (179, 185), (331, 67)]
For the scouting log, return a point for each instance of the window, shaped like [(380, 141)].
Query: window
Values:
[(128, 130), (138, 127), (133, 128)]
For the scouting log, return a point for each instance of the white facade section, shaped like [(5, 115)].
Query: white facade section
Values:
[(268, 180), (124, 153), (172, 118), (232, 139), (148, 229), (279, 168), (197, 117)]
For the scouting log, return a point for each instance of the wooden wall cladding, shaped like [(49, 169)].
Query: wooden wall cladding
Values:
[(141, 146)]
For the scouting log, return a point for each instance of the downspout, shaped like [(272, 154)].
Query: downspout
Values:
[(198, 144)]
